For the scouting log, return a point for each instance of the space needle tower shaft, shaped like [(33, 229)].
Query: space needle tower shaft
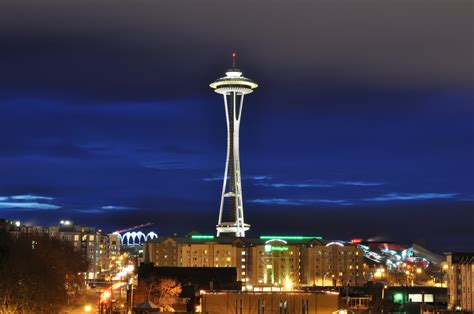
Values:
[(233, 87)]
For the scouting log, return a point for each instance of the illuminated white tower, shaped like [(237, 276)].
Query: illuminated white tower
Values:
[(233, 86)]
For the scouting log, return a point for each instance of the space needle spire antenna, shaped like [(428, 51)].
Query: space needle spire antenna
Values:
[(233, 87)]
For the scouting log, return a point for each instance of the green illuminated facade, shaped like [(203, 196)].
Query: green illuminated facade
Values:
[(290, 238)]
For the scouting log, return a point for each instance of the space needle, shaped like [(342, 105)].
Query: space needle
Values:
[(233, 86)]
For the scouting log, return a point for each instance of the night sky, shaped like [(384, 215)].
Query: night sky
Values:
[(363, 124)]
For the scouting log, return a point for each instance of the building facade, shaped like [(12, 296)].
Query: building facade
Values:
[(265, 261), (108, 256), (268, 302), (460, 273)]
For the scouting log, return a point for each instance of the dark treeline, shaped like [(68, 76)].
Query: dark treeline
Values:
[(38, 274)]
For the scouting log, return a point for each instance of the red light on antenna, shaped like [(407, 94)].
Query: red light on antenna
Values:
[(234, 54)]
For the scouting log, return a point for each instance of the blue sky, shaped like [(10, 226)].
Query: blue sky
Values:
[(352, 133)]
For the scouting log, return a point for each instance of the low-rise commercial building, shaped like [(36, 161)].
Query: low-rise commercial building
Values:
[(419, 299), (230, 302)]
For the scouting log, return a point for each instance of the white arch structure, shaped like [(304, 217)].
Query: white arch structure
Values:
[(136, 238)]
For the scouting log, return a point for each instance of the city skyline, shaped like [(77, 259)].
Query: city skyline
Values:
[(353, 133)]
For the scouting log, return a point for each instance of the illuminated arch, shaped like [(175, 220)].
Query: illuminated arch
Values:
[(334, 243), (151, 235), (136, 238)]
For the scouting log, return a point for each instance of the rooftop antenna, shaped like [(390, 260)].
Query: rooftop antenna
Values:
[(233, 59)]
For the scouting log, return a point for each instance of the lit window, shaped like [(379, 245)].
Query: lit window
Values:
[(429, 298), (415, 297)]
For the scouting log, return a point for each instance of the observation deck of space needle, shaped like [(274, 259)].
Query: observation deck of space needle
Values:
[(233, 87)]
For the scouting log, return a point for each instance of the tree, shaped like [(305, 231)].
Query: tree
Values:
[(164, 292), (35, 273)]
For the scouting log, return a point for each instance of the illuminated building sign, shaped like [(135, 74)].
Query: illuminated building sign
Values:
[(270, 248), (290, 238), (202, 237)]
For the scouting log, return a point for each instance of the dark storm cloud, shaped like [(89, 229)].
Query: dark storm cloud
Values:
[(155, 49)]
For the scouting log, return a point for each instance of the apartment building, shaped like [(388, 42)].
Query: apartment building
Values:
[(460, 273)]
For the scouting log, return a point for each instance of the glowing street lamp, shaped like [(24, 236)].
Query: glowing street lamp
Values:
[(288, 284)]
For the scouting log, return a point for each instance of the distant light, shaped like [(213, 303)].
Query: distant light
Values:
[(290, 238), (201, 237), (356, 241), (87, 308), (234, 54), (418, 270), (17, 223)]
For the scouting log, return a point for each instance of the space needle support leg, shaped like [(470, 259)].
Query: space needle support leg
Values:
[(240, 208), (236, 166), (226, 163)]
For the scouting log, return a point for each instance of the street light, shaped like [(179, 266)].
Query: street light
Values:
[(87, 308), (288, 283)]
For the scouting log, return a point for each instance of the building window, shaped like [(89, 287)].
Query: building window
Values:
[(416, 297)]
